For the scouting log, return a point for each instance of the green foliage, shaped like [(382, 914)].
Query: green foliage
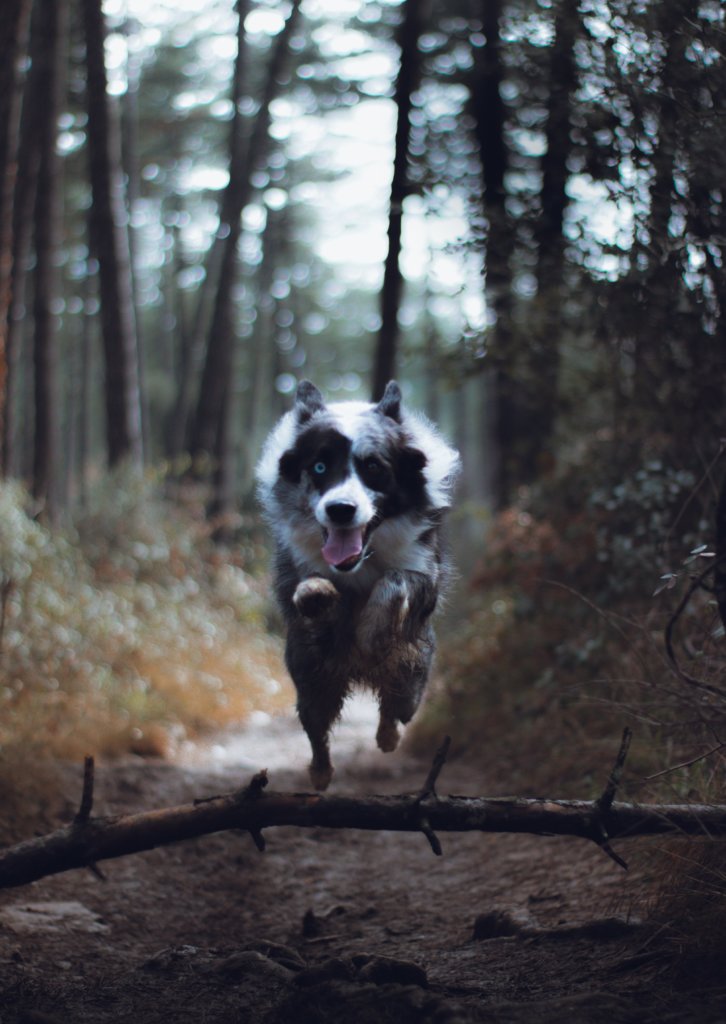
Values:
[(127, 632)]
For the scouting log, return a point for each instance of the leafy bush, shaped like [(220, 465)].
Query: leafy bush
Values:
[(561, 640), (127, 631)]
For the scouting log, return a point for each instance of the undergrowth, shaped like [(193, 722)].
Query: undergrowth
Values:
[(592, 609), (126, 632), (559, 643)]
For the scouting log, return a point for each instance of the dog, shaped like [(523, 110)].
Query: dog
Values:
[(355, 494)]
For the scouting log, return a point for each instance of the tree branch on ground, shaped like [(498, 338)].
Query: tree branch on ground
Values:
[(89, 839)]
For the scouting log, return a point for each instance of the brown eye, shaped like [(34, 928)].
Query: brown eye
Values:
[(373, 472)]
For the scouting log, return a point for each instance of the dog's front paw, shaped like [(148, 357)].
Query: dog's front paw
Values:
[(385, 615), (314, 597)]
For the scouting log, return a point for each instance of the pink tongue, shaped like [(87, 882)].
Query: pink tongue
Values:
[(342, 545)]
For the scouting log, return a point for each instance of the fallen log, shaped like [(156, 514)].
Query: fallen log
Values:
[(88, 839)]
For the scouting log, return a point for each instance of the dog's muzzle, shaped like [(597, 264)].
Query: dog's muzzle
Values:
[(344, 545)]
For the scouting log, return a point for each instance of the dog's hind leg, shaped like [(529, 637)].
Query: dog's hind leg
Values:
[(401, 688), (317, 712)]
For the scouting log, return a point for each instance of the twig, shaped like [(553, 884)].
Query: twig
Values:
[(6, 590), (429, 790), (430, 835), (605, 801), (253, 791), (83, 816), (685, 764), (258, 839), (255, 786), (84, 811), (696, 582), (604, 804), (429, 787)]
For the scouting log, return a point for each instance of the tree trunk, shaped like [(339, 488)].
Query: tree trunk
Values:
[(384, 367), (537, 416), (109, 243), (13, 46), (243, 161), (52, 27), (183, 428), (500, 384), (203, 432), (264, 351), (129, 115), (654, 355)]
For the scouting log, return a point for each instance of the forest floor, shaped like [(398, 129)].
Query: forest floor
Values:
[(332, 926)]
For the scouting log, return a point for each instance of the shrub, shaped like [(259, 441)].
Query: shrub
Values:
[(560, 643), (127, 631)]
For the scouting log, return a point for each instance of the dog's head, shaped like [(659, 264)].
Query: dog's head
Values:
[(343, 470)]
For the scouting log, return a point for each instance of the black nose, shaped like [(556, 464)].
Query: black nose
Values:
[(340, 512)]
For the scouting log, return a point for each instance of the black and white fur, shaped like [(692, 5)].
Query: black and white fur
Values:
[(355, 494)]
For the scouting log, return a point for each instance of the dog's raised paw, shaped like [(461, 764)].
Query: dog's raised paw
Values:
[(315, 596)]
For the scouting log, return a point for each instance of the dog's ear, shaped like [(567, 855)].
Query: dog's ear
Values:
[(308, 401), (390, 404), (289, 466)]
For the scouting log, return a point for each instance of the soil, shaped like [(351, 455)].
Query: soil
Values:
[(331, 926)]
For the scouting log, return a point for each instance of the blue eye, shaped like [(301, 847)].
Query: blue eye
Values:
[(319, 468)]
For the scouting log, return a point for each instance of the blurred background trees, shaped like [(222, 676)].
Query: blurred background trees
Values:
[(516, 207), (200, 202)]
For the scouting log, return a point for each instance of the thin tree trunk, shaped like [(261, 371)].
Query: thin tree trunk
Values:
[(384, 366), (109, 242), (216, 377), (264, 351), (500, 385), (52, 26), (178, 331), (87, 375), (664, 261), (130, 162), (13, 46), (539, 409), (200, 439), (14, 453)]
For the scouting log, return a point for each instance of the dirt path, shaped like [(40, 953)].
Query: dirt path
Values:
[(329, 926)]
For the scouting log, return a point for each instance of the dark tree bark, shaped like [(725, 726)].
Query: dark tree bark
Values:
[(178, 330), (543, 355), (210, 432), (384, 366), (13, 45), (720, 567), (523, 381), (184, 430), (109, 243), (500, 386), (89, 840), (260, 411), (129, 115), (52, 28), (654, 356)]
